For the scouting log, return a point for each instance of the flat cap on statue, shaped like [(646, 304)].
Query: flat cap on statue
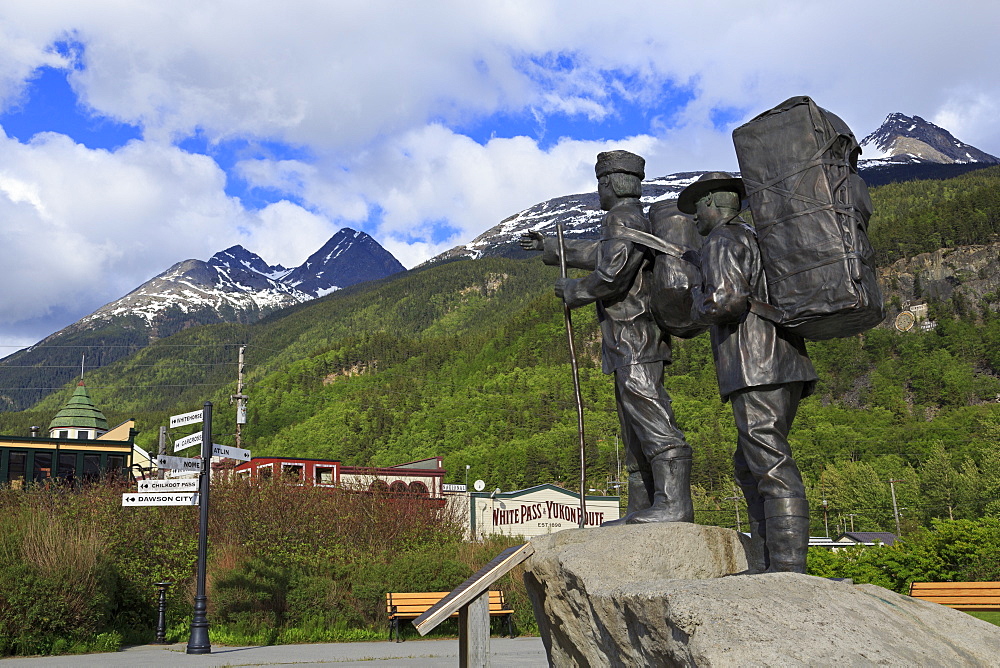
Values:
[(617, 162), (707, 183)]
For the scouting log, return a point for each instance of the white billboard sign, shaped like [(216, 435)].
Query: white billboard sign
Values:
[(178, 463), (170, 499), (536, 511), (194, 417), (181, 485), (230, 452)]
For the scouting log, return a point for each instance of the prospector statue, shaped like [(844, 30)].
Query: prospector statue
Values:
[(634, 348), (763, 369)]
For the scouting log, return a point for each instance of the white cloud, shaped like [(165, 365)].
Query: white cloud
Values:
[(374, 92), (83, 227), (285, 233), (335, 75), (434, 179)]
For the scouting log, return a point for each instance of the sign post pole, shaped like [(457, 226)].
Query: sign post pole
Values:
[(199, 642)]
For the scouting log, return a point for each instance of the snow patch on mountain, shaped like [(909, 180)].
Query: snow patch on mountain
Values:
[(905, 139), (237, 283), (580, 216)]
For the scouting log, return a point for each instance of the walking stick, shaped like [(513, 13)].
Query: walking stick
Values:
[(576, 380)]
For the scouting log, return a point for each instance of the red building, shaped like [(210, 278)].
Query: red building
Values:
[(423, 477)]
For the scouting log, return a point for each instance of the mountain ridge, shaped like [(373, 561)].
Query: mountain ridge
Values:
[(237, 284), (234, 285), (903, 138), (904, 148)]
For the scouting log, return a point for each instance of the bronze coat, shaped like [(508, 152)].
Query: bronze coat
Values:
[(620, 284), (749, 351)]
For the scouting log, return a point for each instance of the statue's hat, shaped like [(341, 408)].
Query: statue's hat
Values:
[(613, 162), (706, 183)]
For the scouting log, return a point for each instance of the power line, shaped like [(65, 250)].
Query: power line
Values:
[(132, 345), (116, 387), (131, 366)]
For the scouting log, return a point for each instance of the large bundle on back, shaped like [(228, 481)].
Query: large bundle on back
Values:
[(811, 209)]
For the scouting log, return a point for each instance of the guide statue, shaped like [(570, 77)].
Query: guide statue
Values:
[(634, 348), (762, 369)]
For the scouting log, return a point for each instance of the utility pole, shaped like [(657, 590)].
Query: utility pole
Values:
[(162, 450), (736, 502), (895, 507), (852, 516), (240, 399), (826, 519)]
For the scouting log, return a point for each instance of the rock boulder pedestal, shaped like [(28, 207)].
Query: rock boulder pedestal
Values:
[(668, 595)]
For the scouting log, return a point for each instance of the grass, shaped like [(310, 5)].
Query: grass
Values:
[(991, 616)]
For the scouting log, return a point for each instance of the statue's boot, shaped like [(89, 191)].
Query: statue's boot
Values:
[(640, 484), (671, 492), (787, 534), (758, 538)]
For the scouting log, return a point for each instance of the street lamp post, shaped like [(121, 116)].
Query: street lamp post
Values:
[(161, 620)]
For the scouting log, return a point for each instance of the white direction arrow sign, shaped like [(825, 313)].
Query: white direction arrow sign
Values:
[(187, 499), (187, 441), (178, 463), (193, 417), (232, 453), (179, 485)]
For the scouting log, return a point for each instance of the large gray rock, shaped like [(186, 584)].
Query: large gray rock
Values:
[(657, 595)]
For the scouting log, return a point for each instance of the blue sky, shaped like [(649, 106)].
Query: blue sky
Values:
[(137, 135)]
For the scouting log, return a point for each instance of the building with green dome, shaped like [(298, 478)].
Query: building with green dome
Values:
[(79, 418), (79, 447)]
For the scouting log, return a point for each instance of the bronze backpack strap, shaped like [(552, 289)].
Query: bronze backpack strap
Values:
[(759, 308), (653, 242)]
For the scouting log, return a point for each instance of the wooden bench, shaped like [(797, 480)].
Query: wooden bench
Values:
[(410, 605), (959, 595)]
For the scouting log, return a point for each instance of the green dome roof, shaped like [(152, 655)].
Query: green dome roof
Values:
[(80, 412)]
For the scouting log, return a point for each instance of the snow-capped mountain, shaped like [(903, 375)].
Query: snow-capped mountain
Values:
[(349, 257), (237, 257), (238, 285), (901, 145), (580, 216), (911, 139)]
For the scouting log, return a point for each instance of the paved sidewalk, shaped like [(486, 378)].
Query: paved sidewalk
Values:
[(504, 652)]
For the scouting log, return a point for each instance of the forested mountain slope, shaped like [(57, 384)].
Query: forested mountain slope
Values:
[(468, 360)]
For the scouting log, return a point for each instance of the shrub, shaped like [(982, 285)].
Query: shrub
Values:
[(287, 563)]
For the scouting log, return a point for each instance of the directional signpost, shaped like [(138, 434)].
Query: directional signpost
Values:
[(182, 485), (187, 441), (190, 492), (198, 641), (161, 499), (194, 417), (231, 453), (190, 464)]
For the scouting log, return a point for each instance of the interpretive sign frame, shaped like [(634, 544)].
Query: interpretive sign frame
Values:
[(471, 600)]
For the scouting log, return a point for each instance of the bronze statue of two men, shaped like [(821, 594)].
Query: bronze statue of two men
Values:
[(763, 370)]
